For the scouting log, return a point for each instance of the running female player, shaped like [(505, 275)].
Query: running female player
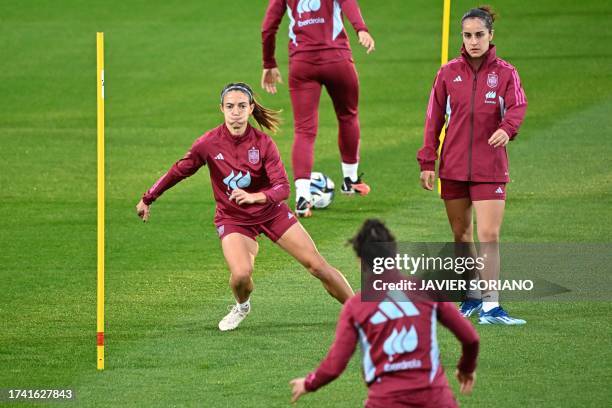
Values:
[(319, 55), (401, 362), (484, 104), (249, 185)]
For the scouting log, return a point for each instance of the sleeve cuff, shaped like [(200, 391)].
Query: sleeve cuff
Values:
[(466, 368), (308, 382), (509, 131), (147, 200), (268, 197), (270, 64), (428, 166)]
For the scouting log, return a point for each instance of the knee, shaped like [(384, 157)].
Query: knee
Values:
[(462, 234), (304, 136), (317, 267), (241, 276), (347, 115), (488, 235)]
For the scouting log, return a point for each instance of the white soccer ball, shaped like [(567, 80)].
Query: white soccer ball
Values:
[(321, 190)]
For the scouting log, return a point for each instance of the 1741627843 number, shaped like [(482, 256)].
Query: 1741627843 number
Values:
[(36, 394)]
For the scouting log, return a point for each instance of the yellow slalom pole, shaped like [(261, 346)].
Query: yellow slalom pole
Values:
[(444, 60), (100, 291), (445, 31)]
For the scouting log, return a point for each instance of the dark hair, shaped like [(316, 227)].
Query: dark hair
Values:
[(265, 117), (485, 13), (373, 240)]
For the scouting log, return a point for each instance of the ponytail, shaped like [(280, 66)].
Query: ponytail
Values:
[(265, 117)]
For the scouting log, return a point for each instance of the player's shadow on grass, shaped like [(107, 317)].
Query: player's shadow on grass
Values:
[(266, 327)]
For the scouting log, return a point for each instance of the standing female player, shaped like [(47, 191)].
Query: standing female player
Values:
[(401, 362), (249, 185), (484, 104), (319, 55)]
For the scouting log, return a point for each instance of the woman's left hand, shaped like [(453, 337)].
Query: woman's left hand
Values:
[(366, 40), (242, 197), (297, 388), (499, 138)]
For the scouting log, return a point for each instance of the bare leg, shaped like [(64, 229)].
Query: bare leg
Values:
[(459, 213), (240, 252), (298, 244), (490, 215)]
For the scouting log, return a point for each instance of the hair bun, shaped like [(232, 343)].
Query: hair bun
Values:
[(489, 10)]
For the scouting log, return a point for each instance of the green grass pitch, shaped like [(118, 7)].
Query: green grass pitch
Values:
[(167, 281)]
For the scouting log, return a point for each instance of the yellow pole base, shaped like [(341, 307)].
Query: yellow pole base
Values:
[(100, 357)]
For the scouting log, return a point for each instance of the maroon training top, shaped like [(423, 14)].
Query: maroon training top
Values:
[(314, 25), (476, 104), (250, 162), (398, 343)]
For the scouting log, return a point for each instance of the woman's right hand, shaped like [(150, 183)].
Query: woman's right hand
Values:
[(427, 179), (143, 210), (269, 78), (298, 388), (466, 381)]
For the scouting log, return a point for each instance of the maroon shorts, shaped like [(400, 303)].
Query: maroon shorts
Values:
[(439, 397), (475, 191), (274, 228)]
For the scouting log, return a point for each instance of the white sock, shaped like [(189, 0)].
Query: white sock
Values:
[(302, 189), (350, 170), (486, 306), (490, 300), (246, 306)]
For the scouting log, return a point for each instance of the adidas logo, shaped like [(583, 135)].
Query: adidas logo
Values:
[(219, 157), (395, 306), (458, 79), (289, 215), (499, 190), (490, 95)]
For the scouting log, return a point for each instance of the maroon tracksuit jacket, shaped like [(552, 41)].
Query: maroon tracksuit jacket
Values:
[(314, 25), (476, 104), (399, 347), (250, 162)]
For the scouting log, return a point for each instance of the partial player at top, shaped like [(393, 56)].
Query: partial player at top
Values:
[(319, 55)]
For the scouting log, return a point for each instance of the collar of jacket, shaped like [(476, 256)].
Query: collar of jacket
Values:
[(240, 138), (489, 57)]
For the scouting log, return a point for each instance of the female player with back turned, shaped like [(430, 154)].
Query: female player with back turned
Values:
[(484, 103), (319, 55), (249, 185), (399, 345)]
